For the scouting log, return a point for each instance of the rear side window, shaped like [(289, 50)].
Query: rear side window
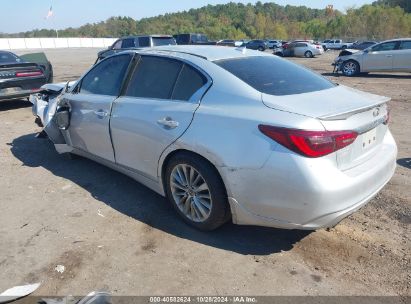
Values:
[(275, 76), (6, 57), (189, 82), (154, 77), (405, 45), (106, 77), (144, 41)]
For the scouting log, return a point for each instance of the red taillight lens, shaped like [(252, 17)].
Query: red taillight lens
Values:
[(387, 117), (310, 143), (29, 74)]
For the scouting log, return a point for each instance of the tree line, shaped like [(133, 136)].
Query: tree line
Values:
[(383, 19)]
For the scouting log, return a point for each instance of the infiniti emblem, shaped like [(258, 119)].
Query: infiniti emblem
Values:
[(376, 112)]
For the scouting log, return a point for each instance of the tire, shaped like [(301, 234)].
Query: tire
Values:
[(350, 68), (279, 54), (308, 54), (344, 47), (261, 49), (207, 213)]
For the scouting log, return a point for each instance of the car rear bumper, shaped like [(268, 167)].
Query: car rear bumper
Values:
[(293, 192), (19, 88)]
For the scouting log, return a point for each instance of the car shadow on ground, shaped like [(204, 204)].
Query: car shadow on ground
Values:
[(14, 104), (387, 76), (135, 200), (404, 162)]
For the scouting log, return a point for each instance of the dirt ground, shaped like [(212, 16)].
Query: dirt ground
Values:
[(112, 233)]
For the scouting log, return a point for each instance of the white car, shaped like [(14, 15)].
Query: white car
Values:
[(300, 49), (336, 44), (272, 44), (388, 56), (227, 134)]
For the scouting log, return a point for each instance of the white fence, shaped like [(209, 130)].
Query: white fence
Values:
[(53, 43)]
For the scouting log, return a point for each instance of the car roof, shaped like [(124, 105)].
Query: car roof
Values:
[(398, 39), (211, 53), (154, 36)]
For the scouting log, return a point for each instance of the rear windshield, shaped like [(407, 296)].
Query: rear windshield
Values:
[(275, 76), (6, 57), (159, 41)]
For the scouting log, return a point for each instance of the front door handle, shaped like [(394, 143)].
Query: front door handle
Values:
[(388, 55), (168, 123), (101, 113)]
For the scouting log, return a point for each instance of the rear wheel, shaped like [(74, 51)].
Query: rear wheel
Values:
[(308, 54), (196, 191), (261, 49), (350, 68)]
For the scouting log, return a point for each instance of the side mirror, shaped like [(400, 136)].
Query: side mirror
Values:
[(62, 118)]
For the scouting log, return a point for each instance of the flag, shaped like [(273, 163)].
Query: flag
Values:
[(50, 13)]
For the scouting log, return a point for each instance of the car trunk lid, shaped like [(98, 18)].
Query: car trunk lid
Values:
[(338, 109)]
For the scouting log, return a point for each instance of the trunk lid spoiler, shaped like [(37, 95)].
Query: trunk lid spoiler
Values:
[(337, 103)]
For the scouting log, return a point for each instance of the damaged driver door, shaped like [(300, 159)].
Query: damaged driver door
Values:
[(90, 105)]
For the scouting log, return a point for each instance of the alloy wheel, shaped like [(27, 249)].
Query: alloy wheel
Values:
[(349, 68), (191, 193)]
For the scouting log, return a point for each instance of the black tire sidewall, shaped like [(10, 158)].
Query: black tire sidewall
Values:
[(308, 54), (220, 211)]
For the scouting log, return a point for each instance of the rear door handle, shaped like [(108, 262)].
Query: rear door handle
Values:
[(168, 123), (101, 113)]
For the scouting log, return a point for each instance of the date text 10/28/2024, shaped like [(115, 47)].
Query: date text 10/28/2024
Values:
[(205, 299)]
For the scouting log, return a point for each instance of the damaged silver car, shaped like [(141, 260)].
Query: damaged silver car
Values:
[(387, 56), (227, 133)]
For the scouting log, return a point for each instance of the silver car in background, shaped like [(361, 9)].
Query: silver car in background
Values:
[(227, 133), (388, 56), (300, 49)]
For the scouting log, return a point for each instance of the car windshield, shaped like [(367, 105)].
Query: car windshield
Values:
[(275, 76), (159, 41), (6, 57)]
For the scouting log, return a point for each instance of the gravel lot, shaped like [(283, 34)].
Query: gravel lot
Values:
[(112, 233)]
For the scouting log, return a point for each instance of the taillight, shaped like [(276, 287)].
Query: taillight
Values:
[(310, 143), (387, 117), (29, 74)]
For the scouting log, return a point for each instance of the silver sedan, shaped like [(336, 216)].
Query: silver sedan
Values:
[(227, 134)]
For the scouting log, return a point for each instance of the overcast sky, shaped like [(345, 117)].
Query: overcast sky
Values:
[(24, 15)]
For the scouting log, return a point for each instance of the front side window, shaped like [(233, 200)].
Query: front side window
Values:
[(106, 77), (154, 77), (128, 43), (275, 76), (117, 45), (387, 46), (159, 41)]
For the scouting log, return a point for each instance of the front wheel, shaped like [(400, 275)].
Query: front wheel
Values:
[(261, 49), (196, 191), (350, 68)]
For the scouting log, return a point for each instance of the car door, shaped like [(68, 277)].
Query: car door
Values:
[(155, 110), (379, 57), (90, 104), (402, 57), (299, 49)]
